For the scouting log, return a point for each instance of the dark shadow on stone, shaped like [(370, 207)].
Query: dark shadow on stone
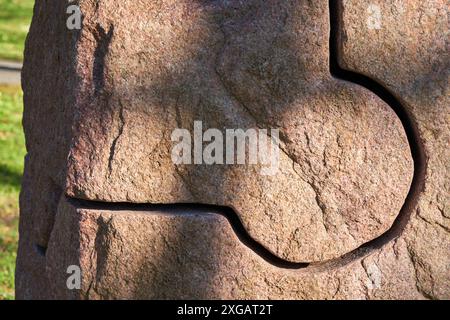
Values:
[(186, 86), (48, 80)]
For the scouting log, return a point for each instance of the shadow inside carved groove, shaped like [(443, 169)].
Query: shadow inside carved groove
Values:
[(412, 133), (194, 208), (397, 227)]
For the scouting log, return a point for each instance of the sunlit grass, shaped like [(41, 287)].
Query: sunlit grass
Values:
[(15, 17), (12, 151)]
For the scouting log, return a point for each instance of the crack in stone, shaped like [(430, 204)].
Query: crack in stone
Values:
[(432, 223), (414, 263), (112, 151)]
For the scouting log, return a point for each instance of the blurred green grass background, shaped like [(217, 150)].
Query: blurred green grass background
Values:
[(12, 148), (15, 17)]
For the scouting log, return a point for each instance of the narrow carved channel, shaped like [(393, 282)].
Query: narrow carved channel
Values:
[(193, 208), (417, 153), (411, 130)]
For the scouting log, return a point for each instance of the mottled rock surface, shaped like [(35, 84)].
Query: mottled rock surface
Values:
[(345, 156), (410, 56), (184, 255), (101, 104)]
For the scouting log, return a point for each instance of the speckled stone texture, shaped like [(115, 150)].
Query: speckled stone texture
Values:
[(196, 255), (345, 156), (101, 104), (410, 56)]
